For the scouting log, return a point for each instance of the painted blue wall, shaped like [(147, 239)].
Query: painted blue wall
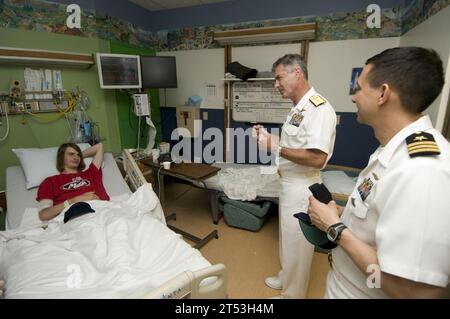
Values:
[(169, 123), (353, 147), (354, 142)]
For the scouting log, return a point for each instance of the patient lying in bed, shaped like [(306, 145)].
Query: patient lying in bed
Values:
[(73, 184), (124, 250)]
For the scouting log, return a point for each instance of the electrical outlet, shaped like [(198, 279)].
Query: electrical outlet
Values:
[(20, 106), (205, 116)]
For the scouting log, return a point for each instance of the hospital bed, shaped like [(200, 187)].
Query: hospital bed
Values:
[(19, 198), (262, 183), (181, 271)]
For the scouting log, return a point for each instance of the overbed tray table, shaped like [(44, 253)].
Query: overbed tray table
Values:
[(190, 172)]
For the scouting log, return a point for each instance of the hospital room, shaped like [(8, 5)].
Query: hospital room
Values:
[(224, 149)]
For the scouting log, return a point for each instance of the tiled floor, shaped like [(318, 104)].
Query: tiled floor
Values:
[(249, 256)]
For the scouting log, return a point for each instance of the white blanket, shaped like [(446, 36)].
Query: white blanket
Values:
[(122, 250), (246, 183)]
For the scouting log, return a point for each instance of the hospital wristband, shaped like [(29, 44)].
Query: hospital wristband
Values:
[(66, 203)]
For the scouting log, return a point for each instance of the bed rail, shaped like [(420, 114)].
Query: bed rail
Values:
[(187, 285), (133, 175)]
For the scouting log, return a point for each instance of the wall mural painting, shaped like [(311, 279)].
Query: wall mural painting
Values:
[(51, 17), (47, 16), (340, 26), (420, 10)]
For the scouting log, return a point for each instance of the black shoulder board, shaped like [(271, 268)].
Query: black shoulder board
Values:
[(422, 144)]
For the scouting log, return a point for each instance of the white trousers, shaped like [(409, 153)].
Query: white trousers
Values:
[(296, 252)]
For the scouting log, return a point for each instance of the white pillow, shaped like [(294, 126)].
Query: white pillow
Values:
[(40, 163)]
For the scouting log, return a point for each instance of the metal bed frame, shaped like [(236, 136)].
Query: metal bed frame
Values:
[(187, 284)]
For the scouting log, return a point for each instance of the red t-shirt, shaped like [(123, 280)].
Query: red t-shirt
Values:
[(62, 187)]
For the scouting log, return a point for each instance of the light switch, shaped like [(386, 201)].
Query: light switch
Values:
[(189, 117), (205, 116), (338, 119)]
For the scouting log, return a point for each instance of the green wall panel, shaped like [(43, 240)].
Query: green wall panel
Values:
[(128, 122), (27, 131)]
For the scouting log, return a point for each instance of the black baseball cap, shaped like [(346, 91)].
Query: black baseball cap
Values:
[(313, 234), (77, 210)]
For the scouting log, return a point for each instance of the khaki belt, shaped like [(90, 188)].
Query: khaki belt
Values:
[(292, 174)]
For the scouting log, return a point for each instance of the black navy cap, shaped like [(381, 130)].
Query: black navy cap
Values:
[(313, 234), (76, 210)]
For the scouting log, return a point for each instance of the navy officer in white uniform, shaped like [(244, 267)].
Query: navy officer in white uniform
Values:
[(392, 236), (306, 145)]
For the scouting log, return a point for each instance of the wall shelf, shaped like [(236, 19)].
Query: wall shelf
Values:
[(45, 58), (33, 106), (32, 112), (275, 34)]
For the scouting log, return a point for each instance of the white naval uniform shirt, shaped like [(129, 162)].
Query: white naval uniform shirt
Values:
[(316, 130), (405, 217)]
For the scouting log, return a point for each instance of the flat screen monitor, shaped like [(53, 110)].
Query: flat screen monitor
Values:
[(119, 71), (158, 72)]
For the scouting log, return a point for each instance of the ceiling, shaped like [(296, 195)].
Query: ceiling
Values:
[(156, 5)]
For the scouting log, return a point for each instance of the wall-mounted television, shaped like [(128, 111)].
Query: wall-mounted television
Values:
[(158, 72), (119, 71)]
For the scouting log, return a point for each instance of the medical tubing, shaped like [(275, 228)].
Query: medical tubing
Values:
[(158, 178), (7, 126), (139, 133)]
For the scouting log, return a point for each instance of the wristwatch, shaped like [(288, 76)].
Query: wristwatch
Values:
[(334, 232)]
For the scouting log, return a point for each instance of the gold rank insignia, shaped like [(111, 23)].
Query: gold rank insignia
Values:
[(422, 144), (317, 100)]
